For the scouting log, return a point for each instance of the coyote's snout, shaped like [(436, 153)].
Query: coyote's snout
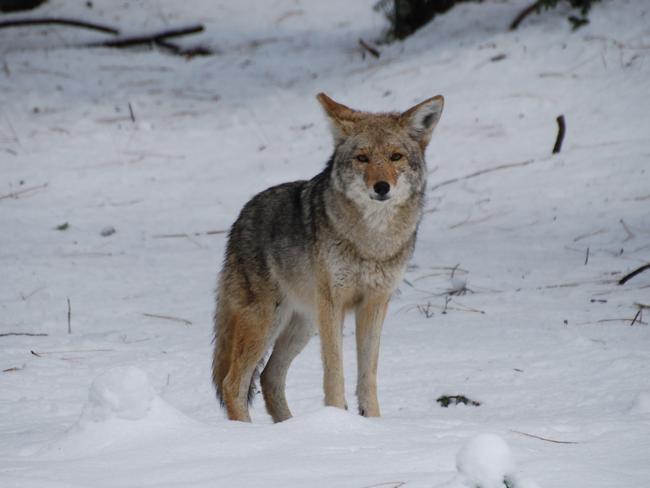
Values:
[(303, 254)]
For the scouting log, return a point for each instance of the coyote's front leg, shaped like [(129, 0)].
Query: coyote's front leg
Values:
[(370, 316), (330, 327)]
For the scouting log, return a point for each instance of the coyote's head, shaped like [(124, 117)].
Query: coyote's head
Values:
[(380, 157)]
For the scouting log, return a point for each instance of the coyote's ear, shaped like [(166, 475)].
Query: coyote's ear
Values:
[(421, 119), (341, 118)]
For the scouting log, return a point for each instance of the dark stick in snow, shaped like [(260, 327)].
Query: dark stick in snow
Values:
[(561, 130), (524, 13), (131, 113), (375, 53), (632, 274), (148, 39), (59, 21)]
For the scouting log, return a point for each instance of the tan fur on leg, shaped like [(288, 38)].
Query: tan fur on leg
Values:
[(370, 316)]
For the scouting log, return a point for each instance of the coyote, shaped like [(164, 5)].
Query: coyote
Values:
[(307, 252)]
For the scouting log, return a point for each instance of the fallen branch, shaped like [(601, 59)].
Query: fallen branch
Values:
[(632, 274), (16, 194), (364, 45), (154, 38), (29, 334), (561, 130), (59, 21), (159, 38), (168, 317), (525, 13), (482, 172), (187, 52), (15, 368), (543, 438)]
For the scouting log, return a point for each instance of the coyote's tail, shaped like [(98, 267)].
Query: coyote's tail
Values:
[(222, 356)]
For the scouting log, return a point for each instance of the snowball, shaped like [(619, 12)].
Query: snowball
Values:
[(485, 461), (123, 392)]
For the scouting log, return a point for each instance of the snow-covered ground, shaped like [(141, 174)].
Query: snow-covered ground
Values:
[(542, 339)]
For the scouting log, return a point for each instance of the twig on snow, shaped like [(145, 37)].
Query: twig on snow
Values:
[(43, 353), (482, 172), (168, 317), (561, 130), (630, 234), (154, 38), (131, 113), (16, 194), (543, 438), (15, 368), (29, 334), (632, 274), (525, 13), (69, 318), (59, 21), (425, 310), (365, 46), (587, 257), (185, 235)]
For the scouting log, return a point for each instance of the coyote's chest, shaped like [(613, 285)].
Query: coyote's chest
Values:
[(349, 270)]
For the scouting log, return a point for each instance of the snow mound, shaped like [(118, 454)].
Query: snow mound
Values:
[(123, 392), (329, 420), (123, 410), (486, 461)]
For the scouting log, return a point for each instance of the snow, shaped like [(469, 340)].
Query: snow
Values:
[(123, 392), (486, 461), (542, 340)]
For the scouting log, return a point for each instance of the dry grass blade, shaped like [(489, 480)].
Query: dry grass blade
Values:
[(29, 334), (16, 194), (168, 317), (543, 438)]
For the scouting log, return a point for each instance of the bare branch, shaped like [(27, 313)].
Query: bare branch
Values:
[(59, 21), (632, 274), (561, 130), (524, 13)]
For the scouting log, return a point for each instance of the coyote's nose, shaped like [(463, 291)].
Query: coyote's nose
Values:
[(381, 188)]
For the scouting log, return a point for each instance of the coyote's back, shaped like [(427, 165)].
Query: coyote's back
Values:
[(304, 253)]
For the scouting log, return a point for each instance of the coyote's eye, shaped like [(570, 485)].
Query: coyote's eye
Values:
[(362, 158), (395, 157)]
